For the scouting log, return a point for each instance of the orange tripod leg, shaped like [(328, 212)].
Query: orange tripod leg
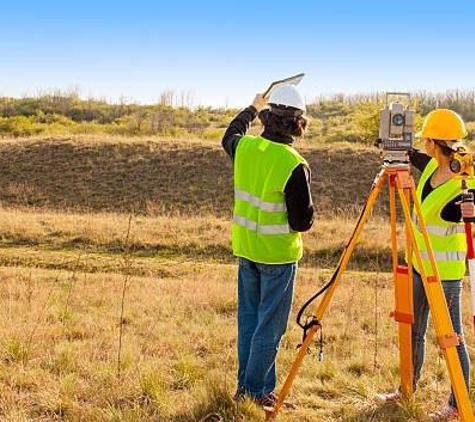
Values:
[(409, 302), (284, 392), (403, 313)]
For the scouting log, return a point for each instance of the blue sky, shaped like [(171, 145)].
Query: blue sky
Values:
[(224, 52)]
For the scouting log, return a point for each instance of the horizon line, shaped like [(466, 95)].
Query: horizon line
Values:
[(177, 98)]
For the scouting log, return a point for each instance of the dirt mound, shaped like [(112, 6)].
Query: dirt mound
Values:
[(160, 176)]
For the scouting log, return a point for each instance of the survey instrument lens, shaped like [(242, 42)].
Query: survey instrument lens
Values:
[(398, 120), (455, 166)]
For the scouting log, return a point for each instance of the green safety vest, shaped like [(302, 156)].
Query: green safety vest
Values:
[(260, 229), (447, 239)]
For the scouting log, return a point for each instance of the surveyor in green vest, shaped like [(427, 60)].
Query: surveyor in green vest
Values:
[(439, 193), (272, 206)]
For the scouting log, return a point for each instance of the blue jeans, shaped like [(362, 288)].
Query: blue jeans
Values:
[(265, 294), (453, 296)]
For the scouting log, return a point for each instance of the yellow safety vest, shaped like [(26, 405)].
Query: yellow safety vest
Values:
[(447, 238), (260, 229)]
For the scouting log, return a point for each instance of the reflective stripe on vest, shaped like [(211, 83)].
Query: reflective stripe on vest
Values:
[(262, 228), (442, 231), (258, 202), (445, 256)]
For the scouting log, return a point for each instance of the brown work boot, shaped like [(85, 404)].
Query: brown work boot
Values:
[(269, 400)]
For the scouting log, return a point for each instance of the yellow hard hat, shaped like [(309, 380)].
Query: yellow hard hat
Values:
[(443, 124)]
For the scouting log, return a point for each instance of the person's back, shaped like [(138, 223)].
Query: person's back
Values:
[(272, 205), (261, 231)]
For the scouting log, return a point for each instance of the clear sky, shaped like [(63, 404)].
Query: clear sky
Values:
[(226, 51)]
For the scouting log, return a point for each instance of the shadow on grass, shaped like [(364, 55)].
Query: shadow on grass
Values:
[(363, 259)]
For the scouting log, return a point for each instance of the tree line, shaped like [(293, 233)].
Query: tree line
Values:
[(350, 118)]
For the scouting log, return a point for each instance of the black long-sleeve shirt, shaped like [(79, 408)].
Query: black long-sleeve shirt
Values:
[(451, 212), (298, 197)]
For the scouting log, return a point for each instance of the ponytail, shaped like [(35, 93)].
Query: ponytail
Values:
[(283, 125), (444, 148)]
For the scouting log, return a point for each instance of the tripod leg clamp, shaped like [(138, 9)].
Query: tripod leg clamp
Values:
[(448, 340), (402, 317), (404, 180)]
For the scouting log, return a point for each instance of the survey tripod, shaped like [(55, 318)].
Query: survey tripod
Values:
[(402, 183)]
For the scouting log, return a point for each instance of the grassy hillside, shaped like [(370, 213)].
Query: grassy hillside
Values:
[(118, 288), (161, 176)]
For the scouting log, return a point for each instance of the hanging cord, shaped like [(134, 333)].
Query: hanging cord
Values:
[(320, 344), (312, 320)]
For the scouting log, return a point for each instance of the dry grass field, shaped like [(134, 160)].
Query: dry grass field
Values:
[(113, 317)]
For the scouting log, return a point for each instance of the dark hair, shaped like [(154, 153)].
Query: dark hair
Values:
[(283, 125), (443, 147)]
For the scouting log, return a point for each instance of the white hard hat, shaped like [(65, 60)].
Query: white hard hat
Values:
[(288, 96)]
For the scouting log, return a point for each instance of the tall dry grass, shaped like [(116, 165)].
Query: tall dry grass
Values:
[(54, 239), (179, 350)]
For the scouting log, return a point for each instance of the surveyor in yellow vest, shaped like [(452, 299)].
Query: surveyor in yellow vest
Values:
[(439, 193), (272, 205)]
